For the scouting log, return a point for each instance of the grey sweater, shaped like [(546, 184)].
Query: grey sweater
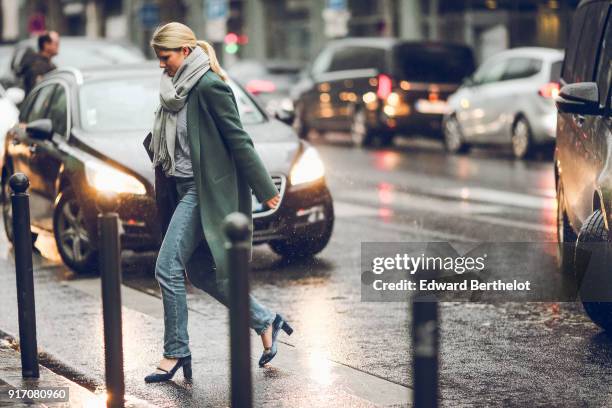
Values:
[(182, 155)]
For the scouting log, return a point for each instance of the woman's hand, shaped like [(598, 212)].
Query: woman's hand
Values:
[(273, 202)]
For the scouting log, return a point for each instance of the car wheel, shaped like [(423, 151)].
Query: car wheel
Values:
[(589, 249), (361, 135), (453, 138), (521, 139), (305, 246), (7, 208), (73, 241), (566, 237)]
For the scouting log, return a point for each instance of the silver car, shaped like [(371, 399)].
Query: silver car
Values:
[(508, 101)]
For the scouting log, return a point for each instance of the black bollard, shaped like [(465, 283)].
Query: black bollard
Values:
[(22, 244), (110, 271), (237, 229), (425, 344)]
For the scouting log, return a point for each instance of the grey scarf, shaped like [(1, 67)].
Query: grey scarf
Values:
[(173, 92)]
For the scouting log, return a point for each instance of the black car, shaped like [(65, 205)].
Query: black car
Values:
[(583, 173), (377, 87), (81, 131)]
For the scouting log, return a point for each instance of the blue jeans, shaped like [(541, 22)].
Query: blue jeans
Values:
[(183, 237)]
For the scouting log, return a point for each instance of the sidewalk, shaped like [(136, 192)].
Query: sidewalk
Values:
[(11, 379), (69, 328)]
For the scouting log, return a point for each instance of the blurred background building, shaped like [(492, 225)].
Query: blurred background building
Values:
[(297, 29)]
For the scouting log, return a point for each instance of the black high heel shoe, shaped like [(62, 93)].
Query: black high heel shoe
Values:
[(184, 362), (278, 324)]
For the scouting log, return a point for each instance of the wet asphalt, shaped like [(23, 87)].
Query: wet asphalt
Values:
[(521, 354)]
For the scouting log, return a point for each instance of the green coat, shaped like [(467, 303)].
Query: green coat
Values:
[(225, 165)]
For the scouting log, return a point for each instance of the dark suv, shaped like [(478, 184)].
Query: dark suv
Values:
[(583, 169), (377, 87)]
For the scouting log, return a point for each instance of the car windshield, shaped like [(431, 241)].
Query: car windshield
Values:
[(84, 54), (129, 104), (432, 63)]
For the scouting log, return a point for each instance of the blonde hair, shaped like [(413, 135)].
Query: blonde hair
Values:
[(173, 36)]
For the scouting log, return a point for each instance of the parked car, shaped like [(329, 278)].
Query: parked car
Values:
[(509, 101), (582, 158), (270, 81), (81, 131), (80, 52), (377, 87)]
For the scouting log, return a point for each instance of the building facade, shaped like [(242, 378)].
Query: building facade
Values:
[(298, 29)]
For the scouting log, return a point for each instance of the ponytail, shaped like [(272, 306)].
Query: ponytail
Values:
[(212, 55)]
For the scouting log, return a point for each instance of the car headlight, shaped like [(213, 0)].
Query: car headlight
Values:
[(105, 178), (308, 168)]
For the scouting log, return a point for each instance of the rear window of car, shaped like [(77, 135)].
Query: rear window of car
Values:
[(432, 63), (350, 58), (129, 104), (555, 71)]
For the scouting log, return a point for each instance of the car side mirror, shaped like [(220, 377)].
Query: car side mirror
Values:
[(15, 95), (580, 98), (285, 116), (41, 129)]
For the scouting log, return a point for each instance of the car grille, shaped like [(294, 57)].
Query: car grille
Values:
[(280, 183)]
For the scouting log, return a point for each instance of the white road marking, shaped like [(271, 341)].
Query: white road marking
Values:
[(515, 224), (507, 198), (399, 199)]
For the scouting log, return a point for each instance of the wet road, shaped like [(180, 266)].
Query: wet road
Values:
[(510, 353)]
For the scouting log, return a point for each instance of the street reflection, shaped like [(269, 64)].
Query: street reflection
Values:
[(387, 160), (320, 367), (386, 197), (97, 401), (321, 335)]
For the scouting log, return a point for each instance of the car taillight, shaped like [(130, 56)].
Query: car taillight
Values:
[(550, 90), (257, 86), (385, 86)]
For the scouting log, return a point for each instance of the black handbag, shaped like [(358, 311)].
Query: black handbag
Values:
[(147, 145), (166, 197)]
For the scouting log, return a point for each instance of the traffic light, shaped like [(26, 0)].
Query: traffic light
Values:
[(233, 42)]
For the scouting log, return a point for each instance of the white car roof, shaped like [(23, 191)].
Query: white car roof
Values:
[(548, 54)]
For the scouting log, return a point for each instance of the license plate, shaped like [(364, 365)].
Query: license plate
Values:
[(425, 106)]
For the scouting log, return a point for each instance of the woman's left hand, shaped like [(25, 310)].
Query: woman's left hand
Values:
[(273, 202)]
